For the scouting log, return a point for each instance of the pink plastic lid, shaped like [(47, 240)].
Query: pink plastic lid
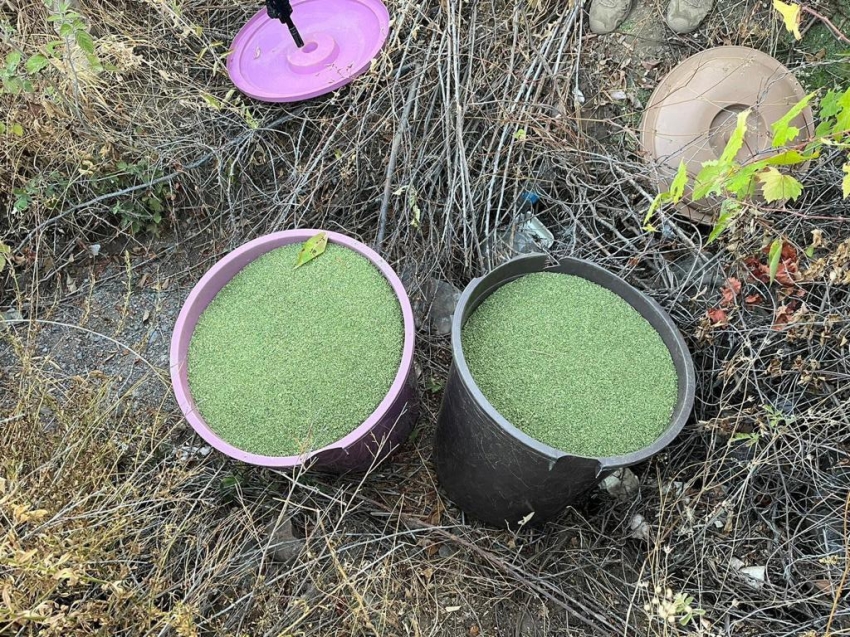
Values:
[(341, 38)]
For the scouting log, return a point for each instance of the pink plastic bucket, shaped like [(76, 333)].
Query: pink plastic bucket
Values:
[(378, 436)]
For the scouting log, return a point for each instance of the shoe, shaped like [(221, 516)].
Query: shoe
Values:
[(607, 15), (684, 16)]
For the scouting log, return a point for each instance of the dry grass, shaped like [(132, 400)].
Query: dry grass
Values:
[(113, 522)]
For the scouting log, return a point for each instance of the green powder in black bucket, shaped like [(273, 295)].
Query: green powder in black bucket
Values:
[(287, 360), (572, 365)]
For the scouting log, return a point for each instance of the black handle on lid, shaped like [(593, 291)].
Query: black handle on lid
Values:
[(282, 10)]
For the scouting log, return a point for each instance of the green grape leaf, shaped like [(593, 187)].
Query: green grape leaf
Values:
[(728, 211), (783, 132), (845, 183), (710, 179), (742, 183), (773, 258), (660, 198), (824, 128), (778, 187), (788, 158), (736, 140), (313, 247), (830, 105)]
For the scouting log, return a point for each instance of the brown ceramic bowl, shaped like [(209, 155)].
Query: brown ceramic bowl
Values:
[(693, 110)]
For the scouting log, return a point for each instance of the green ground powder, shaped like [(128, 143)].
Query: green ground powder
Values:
[(284, 361), (572, 365)]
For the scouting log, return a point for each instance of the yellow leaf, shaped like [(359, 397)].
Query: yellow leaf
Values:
[(68, 575), (38, 515), (790, 16), (779, 187), (845, 183)]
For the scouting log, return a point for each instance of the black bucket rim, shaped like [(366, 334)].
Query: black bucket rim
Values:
[(540, 263)]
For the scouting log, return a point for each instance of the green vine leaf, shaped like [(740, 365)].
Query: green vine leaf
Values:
[(728, 211), (736, 140), (710, 179), (845, 183), (313, 247), (830, 105), (779, 187), (677, 188), (743, 183), (783, 132), (773, 258)]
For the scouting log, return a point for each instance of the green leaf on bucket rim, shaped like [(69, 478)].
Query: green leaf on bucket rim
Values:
[(313, 247)]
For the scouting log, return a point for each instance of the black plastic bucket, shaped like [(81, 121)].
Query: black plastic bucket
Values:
[(497, 473)]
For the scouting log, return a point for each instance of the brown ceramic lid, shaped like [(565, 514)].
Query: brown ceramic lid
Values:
[(693, 111)]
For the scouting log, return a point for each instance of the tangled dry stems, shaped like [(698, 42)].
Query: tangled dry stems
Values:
[(132, 534)]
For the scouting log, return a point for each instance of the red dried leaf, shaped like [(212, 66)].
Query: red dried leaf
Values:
[(758, 270), (718, 317), (729, 291), (753, 299), (783, 317), (786, 273), (789, 252)]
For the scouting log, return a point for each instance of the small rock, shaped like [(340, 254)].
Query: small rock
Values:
[(684, 16), (696, 271), (283, 546), (618, 96), (94, 249), (638, 528), (736, 564), (578, 96), (12, 315), (623, 483), (754, 575), (447, 550), (188, 452), (528, 626), (441, 299)]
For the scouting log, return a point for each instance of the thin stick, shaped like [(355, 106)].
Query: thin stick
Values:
[(154, 182), (836, 32), (843, 581), (402, 125), (502, 565)]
